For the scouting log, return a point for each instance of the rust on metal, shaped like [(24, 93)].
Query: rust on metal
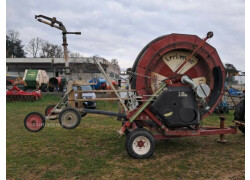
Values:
[(222, 126)]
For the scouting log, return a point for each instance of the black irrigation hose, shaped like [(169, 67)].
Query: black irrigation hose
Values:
[(109, 113)]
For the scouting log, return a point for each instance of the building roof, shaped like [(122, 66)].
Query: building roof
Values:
[(55, 60)]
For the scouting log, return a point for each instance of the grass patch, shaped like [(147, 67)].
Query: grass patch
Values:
[(95, 151)]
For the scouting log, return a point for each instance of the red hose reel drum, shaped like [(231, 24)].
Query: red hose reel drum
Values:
[(161, 58)]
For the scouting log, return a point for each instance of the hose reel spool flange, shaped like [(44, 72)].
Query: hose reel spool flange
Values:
[(160, 59)]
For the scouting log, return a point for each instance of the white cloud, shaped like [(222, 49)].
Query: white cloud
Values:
[(120, 29)]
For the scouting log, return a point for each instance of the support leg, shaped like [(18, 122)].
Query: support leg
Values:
[(222, 126)]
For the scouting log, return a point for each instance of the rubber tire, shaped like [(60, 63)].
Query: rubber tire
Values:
[(78, 118), (239, 114), (51, 89), (42, 117), (45, 112), (242, 129), (44, 87), (132, 136)]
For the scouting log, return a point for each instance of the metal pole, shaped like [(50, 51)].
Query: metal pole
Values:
[(109, 81), (209, 35), (65, 49), (147, 103), (59, 25), (141, 109), (222, 126)]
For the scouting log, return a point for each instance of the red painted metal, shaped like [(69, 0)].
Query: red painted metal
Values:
[(192, 54), (49, 110), (124, 127), (203, 131), (151, 61), (166, 133), (140, 143), (134, 126), (17, 94), (34, 122), (212, 131)]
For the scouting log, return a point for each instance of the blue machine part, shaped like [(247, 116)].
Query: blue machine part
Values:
[(234, 92), (223, 107), (100, 83)]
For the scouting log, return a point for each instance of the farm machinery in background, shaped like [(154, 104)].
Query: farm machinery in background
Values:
[(31, 85), (38, 79), (176, 81), (16, 94), (12, 80), (231, 98), (99, 83), (26, 88), (57, 84), (234, 92), (35, 79)]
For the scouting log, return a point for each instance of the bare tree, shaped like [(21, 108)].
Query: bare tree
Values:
[(34, 46), (57, 51), (114, 61), (49, 50), (45, 49), (74, 54), (13, 35)]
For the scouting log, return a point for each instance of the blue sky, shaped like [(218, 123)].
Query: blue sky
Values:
[(120, 29)]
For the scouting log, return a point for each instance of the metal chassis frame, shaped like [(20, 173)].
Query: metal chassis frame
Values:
[(142, 113), (164, 132)]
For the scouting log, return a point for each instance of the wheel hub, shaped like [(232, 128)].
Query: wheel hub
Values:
[(141, 145), (69, 118), (34, 122)]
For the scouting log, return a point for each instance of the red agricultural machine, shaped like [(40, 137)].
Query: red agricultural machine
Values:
[(176, 81), (16, 90), (16, 94)]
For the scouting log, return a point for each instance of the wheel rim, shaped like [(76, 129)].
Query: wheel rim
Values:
[(34, 122), (69, 119), (141, 145), (49, 111)]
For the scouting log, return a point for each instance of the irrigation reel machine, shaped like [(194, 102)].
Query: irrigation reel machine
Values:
[(176, 81)]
